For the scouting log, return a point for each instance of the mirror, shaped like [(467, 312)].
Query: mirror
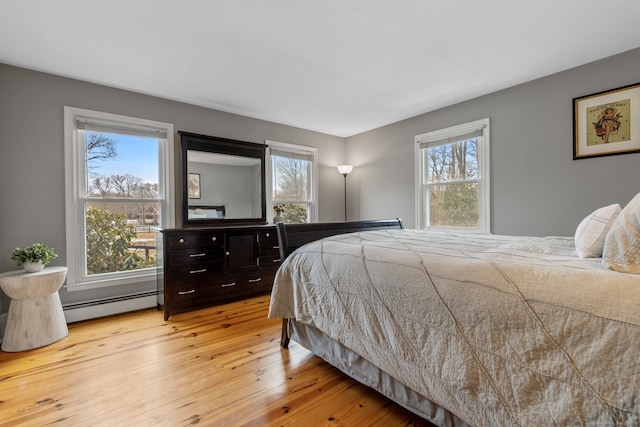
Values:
[(222, 181)]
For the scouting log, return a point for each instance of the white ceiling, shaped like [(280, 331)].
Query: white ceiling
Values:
[(335, 66)]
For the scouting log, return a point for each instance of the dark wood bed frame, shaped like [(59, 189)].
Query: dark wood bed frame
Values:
[(292, 236)]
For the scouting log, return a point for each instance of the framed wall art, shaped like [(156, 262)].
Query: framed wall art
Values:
[(194, 185), (607, 123)]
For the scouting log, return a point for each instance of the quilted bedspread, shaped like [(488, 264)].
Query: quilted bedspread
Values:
[(500, 330)]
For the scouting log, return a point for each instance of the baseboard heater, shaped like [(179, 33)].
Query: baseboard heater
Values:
[(76, 312)]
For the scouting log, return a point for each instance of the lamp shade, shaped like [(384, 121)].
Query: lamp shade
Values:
[(345, 169)]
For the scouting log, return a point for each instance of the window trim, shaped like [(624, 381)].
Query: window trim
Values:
[(74, 181), (436, 138), (293, 148)]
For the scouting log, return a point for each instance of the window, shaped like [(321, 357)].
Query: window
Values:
[(118, 189), (452, 173), (293, 187)]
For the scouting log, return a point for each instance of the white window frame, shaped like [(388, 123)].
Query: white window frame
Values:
[(293, 148), (75, 173), (435, 138)]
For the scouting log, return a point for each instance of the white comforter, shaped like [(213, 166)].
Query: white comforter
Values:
[(500, 330)]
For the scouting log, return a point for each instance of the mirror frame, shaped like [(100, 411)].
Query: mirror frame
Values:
[(213, 144)]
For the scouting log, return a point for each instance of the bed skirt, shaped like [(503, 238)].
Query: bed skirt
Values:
[(366, 373)]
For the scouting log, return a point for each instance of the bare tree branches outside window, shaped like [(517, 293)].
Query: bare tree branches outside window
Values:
[(452, 182), (99, 147)]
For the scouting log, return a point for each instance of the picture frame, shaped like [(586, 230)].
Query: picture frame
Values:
[(194, 185), (607, 123)]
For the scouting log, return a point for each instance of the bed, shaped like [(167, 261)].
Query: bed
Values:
[(471, 329)]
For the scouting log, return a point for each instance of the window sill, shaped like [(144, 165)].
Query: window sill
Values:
[(149, 275)]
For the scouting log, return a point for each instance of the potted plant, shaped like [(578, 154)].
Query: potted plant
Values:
[(34, 257)]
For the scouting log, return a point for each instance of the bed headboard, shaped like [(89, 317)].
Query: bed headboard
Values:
[(292, 236)]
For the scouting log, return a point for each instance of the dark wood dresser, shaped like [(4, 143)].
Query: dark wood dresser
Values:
[(201, 267)]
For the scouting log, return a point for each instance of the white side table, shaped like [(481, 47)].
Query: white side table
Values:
[(35, 315)]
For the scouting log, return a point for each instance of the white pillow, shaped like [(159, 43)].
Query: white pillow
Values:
[(622, 245), (592, 231)]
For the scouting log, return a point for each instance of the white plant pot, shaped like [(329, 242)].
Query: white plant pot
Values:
[(32, 267)]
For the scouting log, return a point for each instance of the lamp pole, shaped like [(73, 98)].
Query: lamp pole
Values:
[(345, 196), (345, 170)]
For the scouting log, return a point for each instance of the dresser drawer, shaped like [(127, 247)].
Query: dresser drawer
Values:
[(269, 261), (263, 286), (268, 236), (268, 250), (268, 241), (208, 291), (246, 284), (187, 240), (186, 297), (197, 255), (193, 273)]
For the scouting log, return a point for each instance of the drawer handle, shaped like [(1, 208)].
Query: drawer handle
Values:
[(202, 270), (186, 292), (276, 247), (277, 260), (181, 240), (228, 285), (197, 255), (214, 238), (255, 280)]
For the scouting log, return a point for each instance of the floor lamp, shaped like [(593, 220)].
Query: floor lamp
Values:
[(345, 170)]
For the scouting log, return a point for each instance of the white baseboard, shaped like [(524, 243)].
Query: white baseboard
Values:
[(76, 314)]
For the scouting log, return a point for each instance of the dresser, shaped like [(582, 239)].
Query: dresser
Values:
[(201, 267)]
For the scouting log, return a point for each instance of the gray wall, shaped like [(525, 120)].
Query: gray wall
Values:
[(536, 186), (32, 156)]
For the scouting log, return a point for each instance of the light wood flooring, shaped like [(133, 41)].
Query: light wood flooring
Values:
[(221, 366)]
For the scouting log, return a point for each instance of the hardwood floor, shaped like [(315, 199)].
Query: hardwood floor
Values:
[(219, 366)]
